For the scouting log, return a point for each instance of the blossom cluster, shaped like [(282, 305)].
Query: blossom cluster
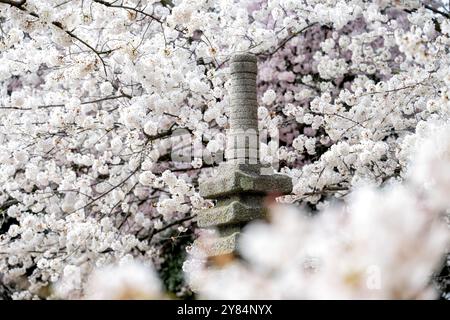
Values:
[(92, 93)]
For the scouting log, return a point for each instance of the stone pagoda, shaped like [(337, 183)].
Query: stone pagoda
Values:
[(242, 181)]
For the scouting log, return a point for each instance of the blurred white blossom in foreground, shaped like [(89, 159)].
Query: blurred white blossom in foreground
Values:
[(124, 281), (430, 172), (380, 247)]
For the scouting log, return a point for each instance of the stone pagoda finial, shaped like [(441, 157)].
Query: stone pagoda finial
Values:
[(242, 181), (243, 139)]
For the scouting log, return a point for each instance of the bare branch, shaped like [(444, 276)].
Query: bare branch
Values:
[(111, 5), (437, 11), (170, 225), (16, 4), (62, 105), (285, 41)]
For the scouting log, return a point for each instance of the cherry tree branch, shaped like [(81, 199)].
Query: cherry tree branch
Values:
[(112, 5), (437, 11), (123, 95), (16, 4), (149, 237), (285, 41), (19, 5), (177, 222)]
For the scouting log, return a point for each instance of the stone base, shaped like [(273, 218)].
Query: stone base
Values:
[(240, 189), (222, 245), (236, 212)]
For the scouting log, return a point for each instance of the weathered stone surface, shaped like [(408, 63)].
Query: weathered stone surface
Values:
[(240, 76), (225, 245), (233, 213), (243, 132), (243, 122), (220, 246), (242, 154), (242, 114), (243, 99), (225, 241), (244, 88), (245, 167), (238, 82), (250, 133), (243, 57), (243, 67), (242, 135), (229, 182)]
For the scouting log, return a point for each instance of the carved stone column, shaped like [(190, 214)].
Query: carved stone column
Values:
[(242, 181)]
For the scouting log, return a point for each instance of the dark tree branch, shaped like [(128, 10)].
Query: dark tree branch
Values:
[(111, 5), (285, 41), (62, 105), (170, 225), (16, 4), (437, 11), (109, 191)]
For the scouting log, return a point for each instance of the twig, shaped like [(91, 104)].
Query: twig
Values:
[(173, 224), (62, 105), (111, 5), (426, 6), (285, 41)]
